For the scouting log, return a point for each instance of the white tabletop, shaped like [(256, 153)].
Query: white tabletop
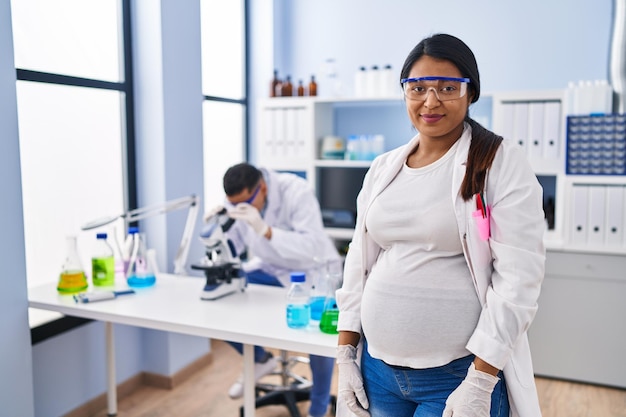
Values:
[(255, 316)]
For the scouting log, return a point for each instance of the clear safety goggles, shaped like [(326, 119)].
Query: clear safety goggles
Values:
[(445, 88)]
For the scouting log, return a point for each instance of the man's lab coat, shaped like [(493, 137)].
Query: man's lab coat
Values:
[(507, 269), (298, 242)]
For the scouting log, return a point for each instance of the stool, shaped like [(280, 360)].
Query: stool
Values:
[(292, 388)]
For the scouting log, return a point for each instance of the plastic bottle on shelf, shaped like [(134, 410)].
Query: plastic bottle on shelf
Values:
[(385, 88), (312, 87), (140, 272), (102, 263), (298, 298), (360, 82), (72, 278), (373, 81)]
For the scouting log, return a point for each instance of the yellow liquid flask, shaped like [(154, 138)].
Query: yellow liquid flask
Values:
[(72, 278)]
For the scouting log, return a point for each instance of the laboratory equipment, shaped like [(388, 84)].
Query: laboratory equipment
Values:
[(221, 265), (91, 297), (298, 309), (139, 273), (72, 278), (332, 281), (191, 201), (102, 262)]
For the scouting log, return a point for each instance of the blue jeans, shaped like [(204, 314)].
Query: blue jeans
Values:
[(405, 392), (322, 367)]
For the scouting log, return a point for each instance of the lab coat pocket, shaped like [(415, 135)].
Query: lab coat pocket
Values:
[(482, 222)]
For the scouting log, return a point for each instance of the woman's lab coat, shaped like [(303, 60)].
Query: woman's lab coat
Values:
[(298, 243), (507, 269)]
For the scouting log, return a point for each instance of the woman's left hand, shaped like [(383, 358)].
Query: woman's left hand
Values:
[(473, 397)]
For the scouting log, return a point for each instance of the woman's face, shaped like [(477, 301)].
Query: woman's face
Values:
[(435, 119)]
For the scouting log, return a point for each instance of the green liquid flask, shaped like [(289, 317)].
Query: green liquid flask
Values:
[(103, 263), (72, 278), (328, 323)]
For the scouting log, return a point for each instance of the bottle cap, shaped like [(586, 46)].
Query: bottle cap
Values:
[(298, 277), (133, 229), (101, 236)]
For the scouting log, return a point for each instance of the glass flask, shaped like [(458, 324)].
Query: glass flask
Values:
[(72, 278), (330, 312), (139, 273)]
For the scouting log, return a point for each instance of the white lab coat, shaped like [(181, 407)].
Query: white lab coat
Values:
[(298, 243), (507, 269)]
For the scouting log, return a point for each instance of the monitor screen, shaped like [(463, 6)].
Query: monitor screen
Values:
[(337, 189)]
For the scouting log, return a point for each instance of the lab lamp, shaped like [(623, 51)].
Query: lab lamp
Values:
[(191, 201)]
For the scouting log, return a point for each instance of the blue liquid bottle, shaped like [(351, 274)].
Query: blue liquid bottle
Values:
[(298, 308)]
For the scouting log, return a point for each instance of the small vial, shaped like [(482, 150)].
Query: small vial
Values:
[(300, 89)]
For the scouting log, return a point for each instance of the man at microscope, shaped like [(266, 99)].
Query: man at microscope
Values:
[(278, 222)]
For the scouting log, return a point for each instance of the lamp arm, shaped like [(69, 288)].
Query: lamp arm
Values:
[(160, 208), (183, 249)]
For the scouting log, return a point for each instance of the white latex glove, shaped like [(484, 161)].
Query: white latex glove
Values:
[(212, 212), (249, 214), (473, 397), (350, 389)]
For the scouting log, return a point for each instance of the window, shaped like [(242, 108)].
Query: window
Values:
[(224, 86), (74, 95)]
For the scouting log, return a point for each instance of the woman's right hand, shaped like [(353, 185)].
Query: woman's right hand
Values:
[(350, 383)]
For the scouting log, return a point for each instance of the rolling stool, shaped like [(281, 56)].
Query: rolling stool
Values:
[(292, 389)]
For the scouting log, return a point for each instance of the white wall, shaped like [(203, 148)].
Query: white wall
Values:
[(529, 45), (16, 383)]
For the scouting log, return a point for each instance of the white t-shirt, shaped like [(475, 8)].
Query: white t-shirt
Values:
[(419, 304)]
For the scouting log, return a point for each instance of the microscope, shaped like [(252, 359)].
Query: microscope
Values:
[(220, 264)]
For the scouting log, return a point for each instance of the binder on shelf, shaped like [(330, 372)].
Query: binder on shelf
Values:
[(520, 124), (290, 149), (551, 129), (507, 119), (615, 215), (578, 223), (596, 215), (535, 136)]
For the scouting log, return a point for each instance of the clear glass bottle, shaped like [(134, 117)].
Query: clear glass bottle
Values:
[(139, 273), (298, 308), (102, 263), (72, 278)]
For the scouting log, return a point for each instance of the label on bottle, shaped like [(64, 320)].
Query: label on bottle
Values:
[(103, 271), (298, 315)]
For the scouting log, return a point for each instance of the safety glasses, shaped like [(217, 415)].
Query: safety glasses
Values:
[(445, 88)]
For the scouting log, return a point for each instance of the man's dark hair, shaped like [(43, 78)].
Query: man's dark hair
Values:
[(241, 177)]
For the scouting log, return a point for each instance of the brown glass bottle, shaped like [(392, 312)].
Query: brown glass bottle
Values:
[(300, 88), (275, 84), (312, 86), (287, 88)]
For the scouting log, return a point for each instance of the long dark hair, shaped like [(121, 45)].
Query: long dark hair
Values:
[(484, 143)]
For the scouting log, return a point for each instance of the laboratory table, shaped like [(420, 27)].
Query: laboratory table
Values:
[(255, 316)]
